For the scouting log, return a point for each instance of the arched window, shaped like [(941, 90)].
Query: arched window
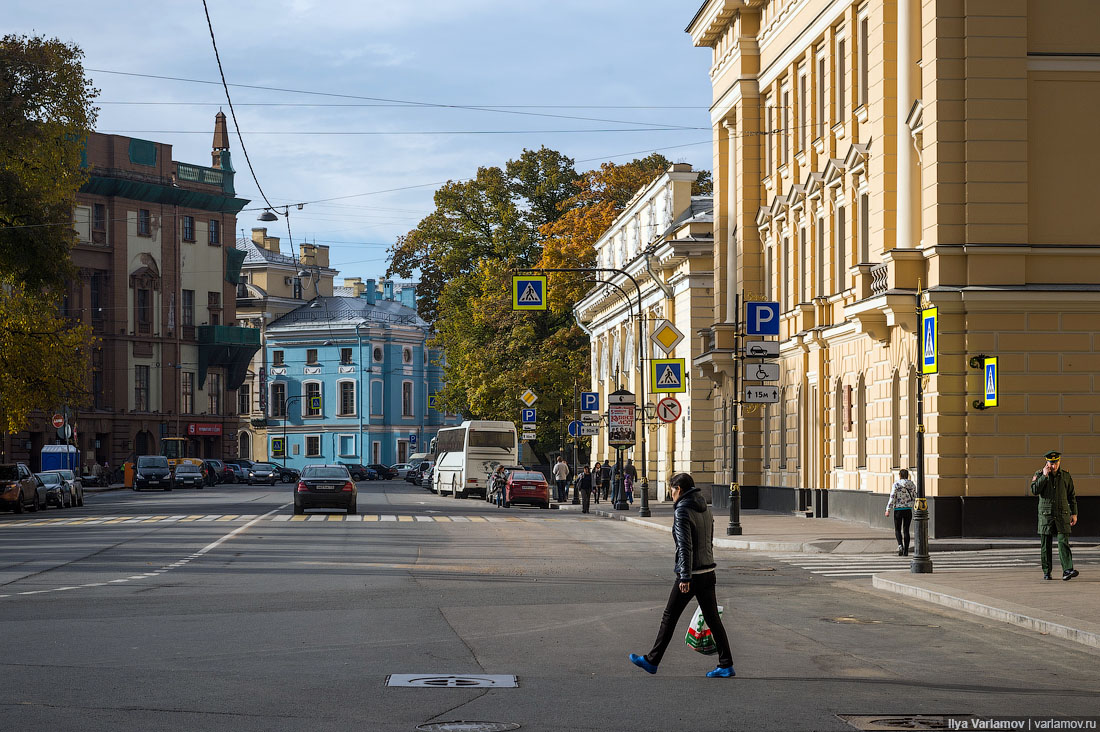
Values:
[(895, 421), (244, 445), (861, 422), (838, 425)]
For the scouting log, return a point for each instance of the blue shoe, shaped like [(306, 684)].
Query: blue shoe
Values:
[(643, 664), (722, 672)]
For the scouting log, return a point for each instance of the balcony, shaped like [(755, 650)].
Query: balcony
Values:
[(717, 357), (228, 346), (199, 174)]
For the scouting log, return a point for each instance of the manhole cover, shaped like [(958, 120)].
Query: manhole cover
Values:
[(453, 681), (872, 722), (466, 726)]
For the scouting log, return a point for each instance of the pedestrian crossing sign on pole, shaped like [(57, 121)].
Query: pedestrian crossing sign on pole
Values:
[(991, 390), (667, 375), (529, 292), (929, 341)]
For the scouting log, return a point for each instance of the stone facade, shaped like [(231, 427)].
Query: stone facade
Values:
[(864, 152)]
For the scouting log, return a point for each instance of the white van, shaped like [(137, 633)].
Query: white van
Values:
[(467, 454)]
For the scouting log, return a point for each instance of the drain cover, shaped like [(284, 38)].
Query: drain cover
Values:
[(454, 681), (466, 726), (902, 721)]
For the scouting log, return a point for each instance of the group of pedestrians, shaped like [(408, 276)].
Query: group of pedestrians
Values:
[(601, 480)]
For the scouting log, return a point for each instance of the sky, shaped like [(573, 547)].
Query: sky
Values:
[(373, 97)]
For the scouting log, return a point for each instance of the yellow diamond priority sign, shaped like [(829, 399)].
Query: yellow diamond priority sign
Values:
[(528, 397), (667, 336)]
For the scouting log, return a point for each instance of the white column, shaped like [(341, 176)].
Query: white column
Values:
[(904, 143)]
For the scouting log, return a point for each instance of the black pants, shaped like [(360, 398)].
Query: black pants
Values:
[(702, 589), (902, 519), (561, 490), (586, 496)]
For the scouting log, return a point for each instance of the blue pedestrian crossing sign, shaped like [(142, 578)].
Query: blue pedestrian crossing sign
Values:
[(761, 318), (315, 404), (529, 292), (278, 447), (991, 381), (590, 401), (527, 416), (929, 341), (433, 401), (667, 375), (574, 428)]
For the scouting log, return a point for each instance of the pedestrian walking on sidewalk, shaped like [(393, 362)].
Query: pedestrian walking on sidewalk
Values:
[(561, 477), (693, 532), (1057, 513), (583, 487), (628, 487), (903, 494), (605, 480)]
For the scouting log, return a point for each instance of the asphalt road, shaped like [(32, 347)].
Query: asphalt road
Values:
[(218, 610)]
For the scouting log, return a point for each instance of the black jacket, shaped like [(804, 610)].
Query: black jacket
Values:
[(584, 482), (693, 532)]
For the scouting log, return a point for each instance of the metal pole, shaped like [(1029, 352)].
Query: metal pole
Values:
[(921, 562), (286, 418), (734, 527), (576, 440)]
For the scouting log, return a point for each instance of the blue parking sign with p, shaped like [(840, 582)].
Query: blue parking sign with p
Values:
[(762, 318), (590, 401), (528, 416)]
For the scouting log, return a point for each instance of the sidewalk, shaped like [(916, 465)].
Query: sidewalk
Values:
[(1017, 596)]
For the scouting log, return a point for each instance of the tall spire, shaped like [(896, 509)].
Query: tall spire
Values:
[(221, 139)]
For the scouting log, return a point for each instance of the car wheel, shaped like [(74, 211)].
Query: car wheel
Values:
[(353, 509), (35, 504), (199, 486), (298, 510), (81, 501), (70, 503), (545, 505), (19, 504)]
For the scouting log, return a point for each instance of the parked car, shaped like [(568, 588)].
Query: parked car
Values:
[(426, 477), (263, 473), (18, 488), (240, 474), (288, 474), (384, 472), (415, 473), (401, 469), (325, 486), (53, 491), (189, 476), (222, 473), (526, 486), (358, 472), (76, 485), (152, 471)]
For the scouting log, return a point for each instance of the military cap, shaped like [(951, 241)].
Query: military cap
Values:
[(1053, 455)]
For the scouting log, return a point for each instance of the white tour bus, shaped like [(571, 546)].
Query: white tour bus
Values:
[(467, 454)]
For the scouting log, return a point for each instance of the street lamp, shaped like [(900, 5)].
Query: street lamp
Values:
[(286, 418)]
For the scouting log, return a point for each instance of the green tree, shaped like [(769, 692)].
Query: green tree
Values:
[(46, 114)]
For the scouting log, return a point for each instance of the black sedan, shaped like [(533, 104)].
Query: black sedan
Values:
[(384, 471), (188, 475), (263, 473), (56, 490), (325, 486)]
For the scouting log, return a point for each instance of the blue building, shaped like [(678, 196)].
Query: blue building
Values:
[(350, 379)]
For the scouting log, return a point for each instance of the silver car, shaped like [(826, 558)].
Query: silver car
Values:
[(76, 485), (263, 473)]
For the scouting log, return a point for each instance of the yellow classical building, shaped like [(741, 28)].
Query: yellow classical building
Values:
[(663, 240), (863, 150)]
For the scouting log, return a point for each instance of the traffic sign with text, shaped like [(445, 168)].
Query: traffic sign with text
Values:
[(590, 430), (528, 436), (762, 394)]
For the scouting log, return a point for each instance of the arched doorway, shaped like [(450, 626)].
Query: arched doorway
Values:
[(244, 445)]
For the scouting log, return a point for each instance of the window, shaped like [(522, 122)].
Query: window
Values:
[(895, 421), (189, 228), (277, 358), (214, 306), (347, 445), (95, 295), (347, 398), (861, 423), (187, 393), (99, 217), (313, 445), (768, 137), (97, 386), (406, 399), (821, 71), (141, 388), (407, 355), (377, 406), (143, 310), (841, 265), (214, 392), (143, 222), (187, 312), (769, 281), (244, 399), (311, 355), (278, 399), (804, 269), (864, 228), (313, 403), (377, 353), (215, 237), (821, 256), (376, 452), (785, 267), (345, 356), (785, 137), (838, 426), (803, 107), (840, 79), (864, 54)]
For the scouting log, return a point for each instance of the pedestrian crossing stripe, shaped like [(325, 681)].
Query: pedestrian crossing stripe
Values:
[(667, 375), (840, 566), (529, 292), (316, 518)]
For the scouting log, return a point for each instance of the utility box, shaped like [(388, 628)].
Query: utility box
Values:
[(61, 457)]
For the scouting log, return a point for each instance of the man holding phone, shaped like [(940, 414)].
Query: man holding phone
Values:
[(1057, 513)]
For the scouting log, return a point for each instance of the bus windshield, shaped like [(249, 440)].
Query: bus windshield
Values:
[(494, 438)]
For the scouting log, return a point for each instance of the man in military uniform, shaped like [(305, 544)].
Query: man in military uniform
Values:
[(1057, 513)]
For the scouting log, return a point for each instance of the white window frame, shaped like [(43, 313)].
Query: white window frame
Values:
[(381, 405), (863, 82), (306, 395), (821, 256), (274, 411), (821, 105), (412, 399), (340, 437), (380, 348), (305, 445), (340, 398), (406, 356), (376, 452), (840, 100), (803, 107)]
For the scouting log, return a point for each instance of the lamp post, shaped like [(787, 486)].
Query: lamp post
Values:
[(286, 418), (921, 562)]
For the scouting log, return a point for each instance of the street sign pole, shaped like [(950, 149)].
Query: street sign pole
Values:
[(576, 441), (734, 527), (921, 562)]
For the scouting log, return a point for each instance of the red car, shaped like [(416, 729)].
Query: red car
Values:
[(526, 486)]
